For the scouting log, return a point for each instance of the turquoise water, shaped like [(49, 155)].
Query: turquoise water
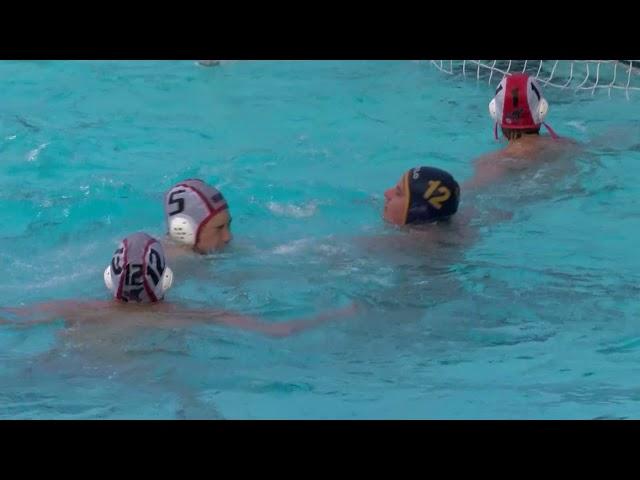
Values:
[(538, 319)]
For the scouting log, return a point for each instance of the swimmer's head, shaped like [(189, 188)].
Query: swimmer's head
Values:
[(518, 107), (197, 215), (208, 63), (423, 195), (138, 271)]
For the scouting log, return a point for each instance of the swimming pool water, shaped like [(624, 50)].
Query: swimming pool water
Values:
[(538, 319)]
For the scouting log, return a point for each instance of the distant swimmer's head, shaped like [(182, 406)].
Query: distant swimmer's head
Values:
[(138, 271), (519, 107), (198, 216), (423, 195), (208, 63)]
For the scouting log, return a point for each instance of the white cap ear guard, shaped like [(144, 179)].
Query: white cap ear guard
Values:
[(182, 229), (543, 109), (492, 110), (108, 281), (167, 279)]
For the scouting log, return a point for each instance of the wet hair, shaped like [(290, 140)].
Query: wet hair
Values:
[(514, 134)]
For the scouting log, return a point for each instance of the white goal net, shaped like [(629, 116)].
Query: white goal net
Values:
[(579, 75)]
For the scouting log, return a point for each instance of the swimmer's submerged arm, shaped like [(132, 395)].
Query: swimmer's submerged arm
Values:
[(50, 311), (277, 329), (29, 315), (161, 315)]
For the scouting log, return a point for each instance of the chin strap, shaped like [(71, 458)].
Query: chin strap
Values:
[(553, 134)]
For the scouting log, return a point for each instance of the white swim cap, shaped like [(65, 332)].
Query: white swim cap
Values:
[(138, 271), (188, 206)]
